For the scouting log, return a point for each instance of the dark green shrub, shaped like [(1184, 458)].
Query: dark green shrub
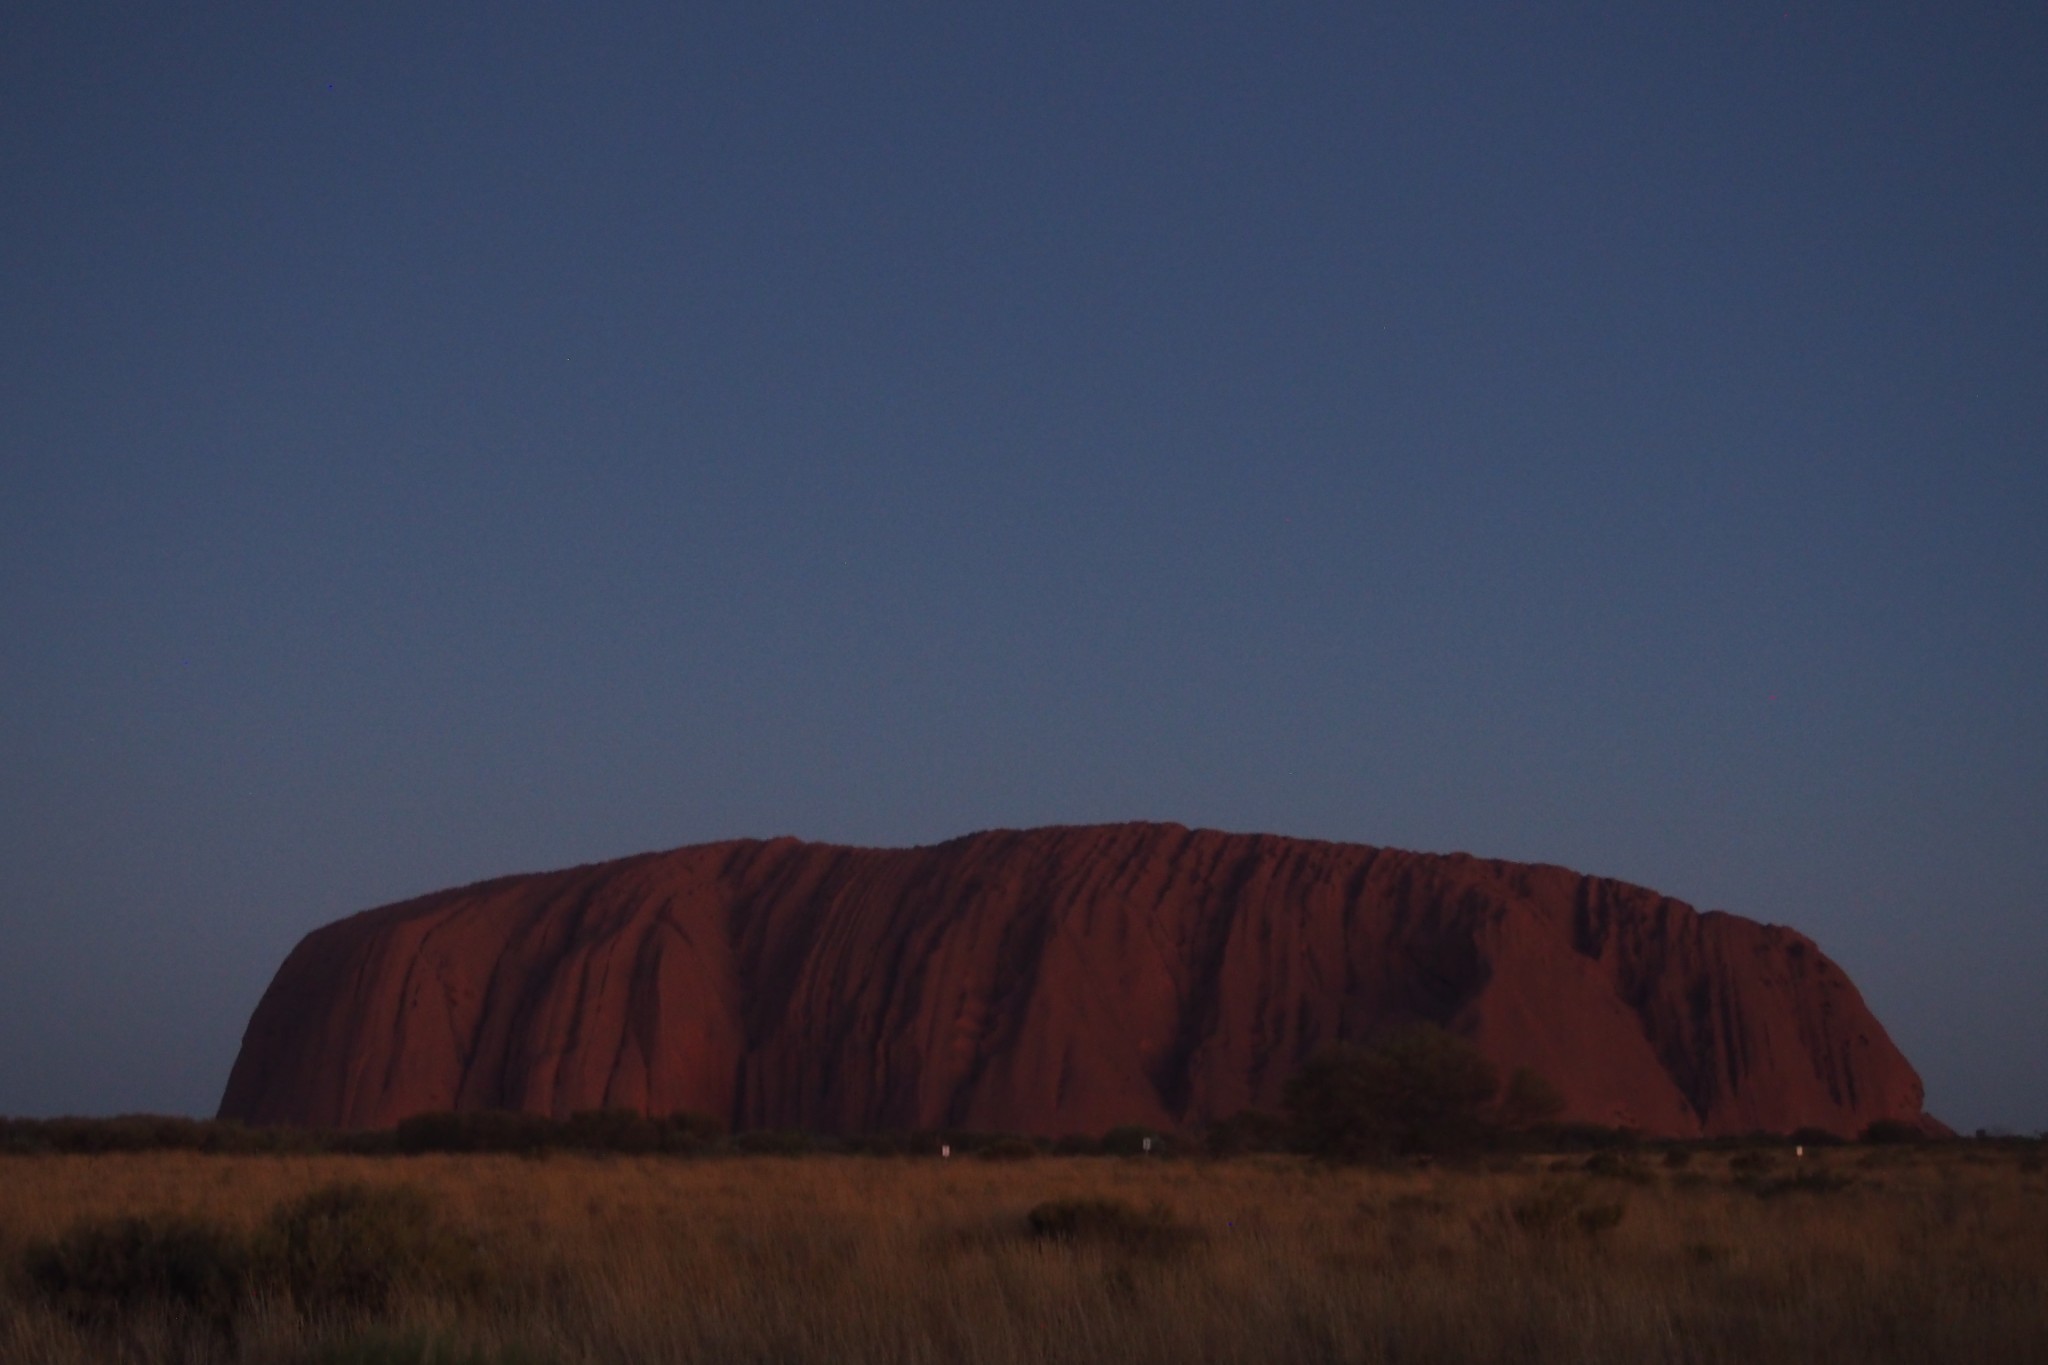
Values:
[(1248, 1131), (1677, 1158), (610, 1130), (625, 1131), (1545, 1211), (1561, 1208), (354, 1248), (1595, 1219), (1112, 1223), (877, 1144), (1811, 1180), (1616, 1166), (1586, 1137), (358, 1142), (476, 1130), (1133, 1139), (689, 1132), (23, 1137), (1528, 1101), (1421, 1090), (159, 1133), (963, 1142), (776, 1143), (434, 1132), (1891, 1132), (1007, 1149), (103, 1271)]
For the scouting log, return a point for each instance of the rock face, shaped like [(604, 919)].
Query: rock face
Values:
[(1049, 981)]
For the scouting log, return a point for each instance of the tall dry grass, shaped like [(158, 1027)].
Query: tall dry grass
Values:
[(1865, 1256)]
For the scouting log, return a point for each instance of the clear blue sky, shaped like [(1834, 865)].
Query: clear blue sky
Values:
[(441, 445)]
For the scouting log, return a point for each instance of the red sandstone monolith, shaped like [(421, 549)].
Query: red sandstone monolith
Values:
[(1049, 981)]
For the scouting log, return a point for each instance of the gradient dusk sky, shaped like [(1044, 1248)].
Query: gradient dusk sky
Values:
[(444, 441)]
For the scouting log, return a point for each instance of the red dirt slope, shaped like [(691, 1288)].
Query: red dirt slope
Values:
[(1049, 981)]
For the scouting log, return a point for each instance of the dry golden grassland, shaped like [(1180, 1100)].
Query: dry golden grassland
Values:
[(1853, 1255)]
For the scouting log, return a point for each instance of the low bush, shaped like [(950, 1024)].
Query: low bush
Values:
[(1892, 1133), (1812, 1180), (354, 1248), (1584, 1137), (1528, 1101), (610, 1130), (686, 1131), (876, 1144), (1112, 1223), (102, 1271), (1563, 1208), (157, 1133), (1595, 1219), (1133, 1140), (973, 1142), (343, 1248), (626, 1131), (778, 1142), (1616, 1165), (1248, 1131), (1417, 1091), (478, 1130)]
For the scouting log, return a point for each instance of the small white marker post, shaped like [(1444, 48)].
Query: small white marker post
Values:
[(946, 1150), (1148, 1144)]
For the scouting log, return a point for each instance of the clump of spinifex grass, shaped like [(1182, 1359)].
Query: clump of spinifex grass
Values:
[(344, 1250), (101, 1272), (1560, 1208), (354, 1248), (1151, 1231)]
